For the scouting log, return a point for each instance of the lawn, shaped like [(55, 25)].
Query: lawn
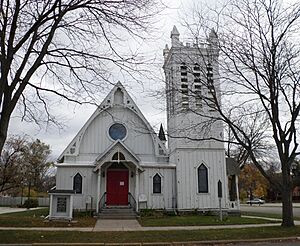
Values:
[(198, 220), (35, 218), (150, 236)]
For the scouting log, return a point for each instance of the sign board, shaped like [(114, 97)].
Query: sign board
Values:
[(220, 195), (88, 199)]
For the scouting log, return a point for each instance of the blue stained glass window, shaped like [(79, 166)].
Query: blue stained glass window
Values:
[(117, 131)]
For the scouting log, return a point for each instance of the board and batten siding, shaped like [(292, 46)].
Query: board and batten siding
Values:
[(187, 178), (166, 199), (96, 138), (64, 181)]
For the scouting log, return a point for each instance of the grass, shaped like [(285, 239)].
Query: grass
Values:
[(198, 220), (150, 236), (35, 218)]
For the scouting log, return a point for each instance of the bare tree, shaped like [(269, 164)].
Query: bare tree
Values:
[(259, 83), (11, 163), (24, 162), (65, 49)]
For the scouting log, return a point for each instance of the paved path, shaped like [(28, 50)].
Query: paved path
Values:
[(117, 225), (133, 225), (6, 210)]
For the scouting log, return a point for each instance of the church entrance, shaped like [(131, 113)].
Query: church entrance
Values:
[(117, 185)]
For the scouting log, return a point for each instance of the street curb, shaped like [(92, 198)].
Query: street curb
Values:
[(188, 243)]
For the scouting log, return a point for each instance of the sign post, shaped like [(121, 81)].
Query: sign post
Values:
[(220, 199)]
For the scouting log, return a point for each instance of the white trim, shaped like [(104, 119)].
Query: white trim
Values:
[(98, 190), (71, 207), (137, 185), (51, 206), (199, 148), (106, 156), (159, 166), (73, 165)]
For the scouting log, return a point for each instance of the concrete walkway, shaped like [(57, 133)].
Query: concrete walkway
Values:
[(6, 210), (133, 225), (122, 227), (117, 225)]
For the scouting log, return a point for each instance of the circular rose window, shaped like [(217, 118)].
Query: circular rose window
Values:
[(117, 131)]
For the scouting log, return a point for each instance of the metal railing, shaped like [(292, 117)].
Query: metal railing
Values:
[(131, 201), (102, 201)]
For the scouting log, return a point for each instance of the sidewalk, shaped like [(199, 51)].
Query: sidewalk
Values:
[(123, 227), (279, 204), (133, 225)]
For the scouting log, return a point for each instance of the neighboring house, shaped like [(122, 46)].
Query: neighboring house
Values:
[(117, 159)]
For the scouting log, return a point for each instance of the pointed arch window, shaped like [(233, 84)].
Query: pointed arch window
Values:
[(118, 156), (202, 179), (77, 183), (156, 184)]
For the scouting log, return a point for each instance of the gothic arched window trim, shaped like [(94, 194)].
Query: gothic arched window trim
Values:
[(77, 183), (202, 178), (157, 184)]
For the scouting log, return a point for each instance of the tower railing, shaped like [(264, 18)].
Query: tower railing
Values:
[(102, 202), (131, 201)]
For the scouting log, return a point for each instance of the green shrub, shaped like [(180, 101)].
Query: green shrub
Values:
[(30, 203)]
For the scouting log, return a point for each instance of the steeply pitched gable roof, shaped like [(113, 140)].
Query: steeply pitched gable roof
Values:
[(73, 148)]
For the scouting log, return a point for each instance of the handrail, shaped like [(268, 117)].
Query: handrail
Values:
[(102, 201), (131, 201)]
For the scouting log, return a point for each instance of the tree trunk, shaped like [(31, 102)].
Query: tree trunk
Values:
[(4, 122), (28, 197), (287, 202)]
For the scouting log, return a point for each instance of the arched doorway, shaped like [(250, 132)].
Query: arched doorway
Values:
[(117, 184)]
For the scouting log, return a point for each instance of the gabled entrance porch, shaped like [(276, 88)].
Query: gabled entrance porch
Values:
[(118, 173)]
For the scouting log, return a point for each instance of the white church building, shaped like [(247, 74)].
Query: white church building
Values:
[(117, 159)]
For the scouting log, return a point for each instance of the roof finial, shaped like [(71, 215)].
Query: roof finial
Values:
[(175, 37), (161, 134), (213, 37), (166, 51)]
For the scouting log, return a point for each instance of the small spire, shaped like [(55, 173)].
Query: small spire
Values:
[(175, 37), (118, 83), (213, 37), (212, 34), (161, 134), (166, 51), (174, 32)]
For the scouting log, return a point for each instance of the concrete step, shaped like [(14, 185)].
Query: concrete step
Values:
[(116, 217), (117, 213)]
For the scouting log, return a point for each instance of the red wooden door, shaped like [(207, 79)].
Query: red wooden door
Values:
[(117, 187)]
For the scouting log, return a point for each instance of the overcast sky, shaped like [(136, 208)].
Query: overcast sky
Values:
[(76, 115)]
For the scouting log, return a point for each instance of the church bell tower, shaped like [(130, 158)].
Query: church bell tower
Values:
[(192, 81)]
